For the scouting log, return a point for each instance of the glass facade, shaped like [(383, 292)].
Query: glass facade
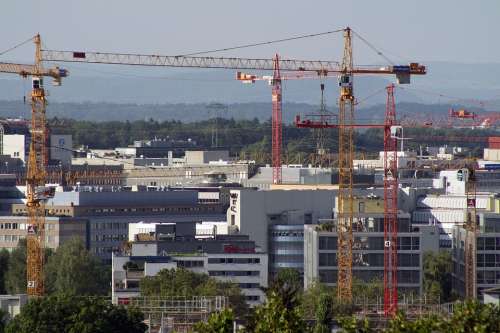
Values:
[(286, 248)]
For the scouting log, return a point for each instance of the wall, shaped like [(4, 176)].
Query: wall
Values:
[(252, 211), (15, 146)]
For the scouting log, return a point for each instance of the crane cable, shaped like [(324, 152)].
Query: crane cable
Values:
[(262, 43), (371, 46), (16, 46)]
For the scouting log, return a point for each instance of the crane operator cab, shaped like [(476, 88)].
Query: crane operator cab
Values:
[(37, 82), (345, 84), (396, 132)]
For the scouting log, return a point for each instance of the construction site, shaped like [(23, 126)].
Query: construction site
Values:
[(337, 218)]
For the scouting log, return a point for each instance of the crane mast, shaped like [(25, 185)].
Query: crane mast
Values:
[(36, 192), (36, 181), (277, 122), (390, 206), (346, 154), (470, 235)]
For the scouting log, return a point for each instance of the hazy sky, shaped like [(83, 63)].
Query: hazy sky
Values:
[(425, 30)]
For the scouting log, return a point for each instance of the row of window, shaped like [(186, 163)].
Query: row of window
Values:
[(106, 249), (286, 233), (286, 258), (15, 238), (234, 260), (208, 208), (249, 285), (109, 238), (189, 263), (372, 243), (10, 238), (9, 226), (22, 226), (488, 277), (109, 225), (488, 260), (233, 273), (371, 259), (488, 243)]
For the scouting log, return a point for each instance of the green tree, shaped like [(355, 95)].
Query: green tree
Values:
[(437, 275), (323, 314), (290, 276), (64, 314), (3, 320), (281, 313), (219, 322), (311, 296), (351, 324), (73, 270), (4, 264), (473, 316), (15, 277)]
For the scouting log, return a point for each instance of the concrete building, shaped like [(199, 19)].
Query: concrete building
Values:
[(12, 304), (275, 219), (320, 252), (109, 213), (197, 157), (61, 149), (57, 230), (225, 258), (487, 255), (188, 175)]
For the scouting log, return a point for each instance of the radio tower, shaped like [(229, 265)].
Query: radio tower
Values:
[(390, 207)]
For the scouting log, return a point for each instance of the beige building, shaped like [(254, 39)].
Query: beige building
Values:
[(57, 230)]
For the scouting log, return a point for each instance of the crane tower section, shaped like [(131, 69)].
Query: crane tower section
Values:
[(391, 133), (346, 152), (470, 234), (36, 182), (277, 121)]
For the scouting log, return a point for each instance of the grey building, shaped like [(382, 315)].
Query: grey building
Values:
[(275, 219), (320, 252), (109, 213)]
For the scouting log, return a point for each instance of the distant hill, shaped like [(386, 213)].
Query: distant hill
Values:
[(199, 111)]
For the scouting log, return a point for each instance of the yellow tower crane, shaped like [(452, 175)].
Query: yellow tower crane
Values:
[(36, 191)]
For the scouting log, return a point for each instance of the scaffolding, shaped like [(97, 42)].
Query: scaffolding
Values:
[(175, 314)]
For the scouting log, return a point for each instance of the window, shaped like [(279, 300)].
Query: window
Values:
[(361, 207), (327, 259), (328, 243)]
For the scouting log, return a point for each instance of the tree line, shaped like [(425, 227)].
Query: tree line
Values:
[(248, 139)]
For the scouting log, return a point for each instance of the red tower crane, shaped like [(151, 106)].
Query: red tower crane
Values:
[(390, 205), (391, 134), (277, 122)]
